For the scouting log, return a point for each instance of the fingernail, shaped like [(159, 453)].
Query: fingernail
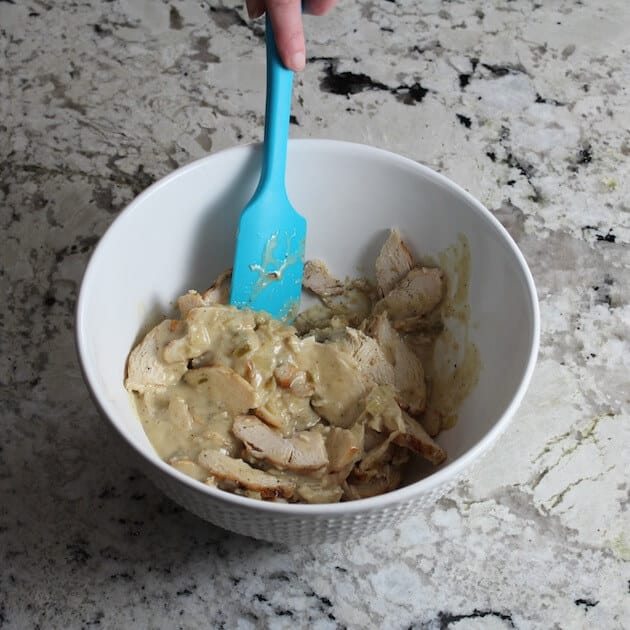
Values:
[(298, 60)]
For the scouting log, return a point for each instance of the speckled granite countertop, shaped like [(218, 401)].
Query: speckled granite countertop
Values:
[(524, 103)]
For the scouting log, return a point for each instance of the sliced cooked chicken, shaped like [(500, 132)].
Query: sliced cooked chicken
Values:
[(219, 292), (351, 302), (316, 493), (382, 412), (216, 432), (214, 330), (224, 387), (432, 420), (188, 301), (330, 402), (374, 460), (152, 403), (368, 354), (415, 438), (393, 263), (387, 480), (372, 438), (347, 309), (353, 305), (146, 366), (384, 415), (188, 467), (339, 386), (179, 414), (240, 474), (287, 412), (312, 319), (274, 416), (290, 377), (416, 294), (344, 447), (407, 368), (317, 279), (304, 451)]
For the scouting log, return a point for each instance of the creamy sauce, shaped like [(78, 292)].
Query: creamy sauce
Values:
[(242, 402), (241, 362)]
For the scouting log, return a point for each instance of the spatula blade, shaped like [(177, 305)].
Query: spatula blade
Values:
[(269, 258)]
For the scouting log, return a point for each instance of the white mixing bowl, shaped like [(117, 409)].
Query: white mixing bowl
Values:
[(179, 234)]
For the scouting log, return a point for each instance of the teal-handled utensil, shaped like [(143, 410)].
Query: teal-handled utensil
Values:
[(269, 258)]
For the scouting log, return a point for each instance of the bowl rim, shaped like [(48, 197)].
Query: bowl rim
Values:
[(449, 472)]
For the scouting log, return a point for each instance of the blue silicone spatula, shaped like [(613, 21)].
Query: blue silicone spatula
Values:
[(269, 258)]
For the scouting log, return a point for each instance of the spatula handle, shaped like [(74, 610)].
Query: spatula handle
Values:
[(277, 112)]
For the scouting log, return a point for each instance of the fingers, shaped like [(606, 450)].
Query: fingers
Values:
[(286, 20)]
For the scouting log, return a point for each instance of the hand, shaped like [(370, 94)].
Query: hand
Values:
[(286, 19)]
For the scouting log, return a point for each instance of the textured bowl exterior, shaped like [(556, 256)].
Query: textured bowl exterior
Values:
[(350, 194), (290, 529)]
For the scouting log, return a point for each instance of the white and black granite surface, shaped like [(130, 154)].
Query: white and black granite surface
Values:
[(525, 103)]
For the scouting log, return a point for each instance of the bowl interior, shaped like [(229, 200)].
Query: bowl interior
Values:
[(179, 234)]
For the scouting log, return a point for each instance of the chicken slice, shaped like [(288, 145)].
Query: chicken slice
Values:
[(393, 263), (214, 330), (416, 294), (368, 354), (199, 322), (313, 318), (235, 472), (217, 434), (432, 419), (353, 305), (273, 415), (344, 447), (382, 412), (179, 414), (376, 458), (304, 451), (415, 438), (317, 279), (407, 368), (386, 480), (224, 387), (188, 301), (188, 467), (351, 301), (219, 292), (286, 411), (146, 366), (384, 415), (288, 376), (316, 493), (339, 386)]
